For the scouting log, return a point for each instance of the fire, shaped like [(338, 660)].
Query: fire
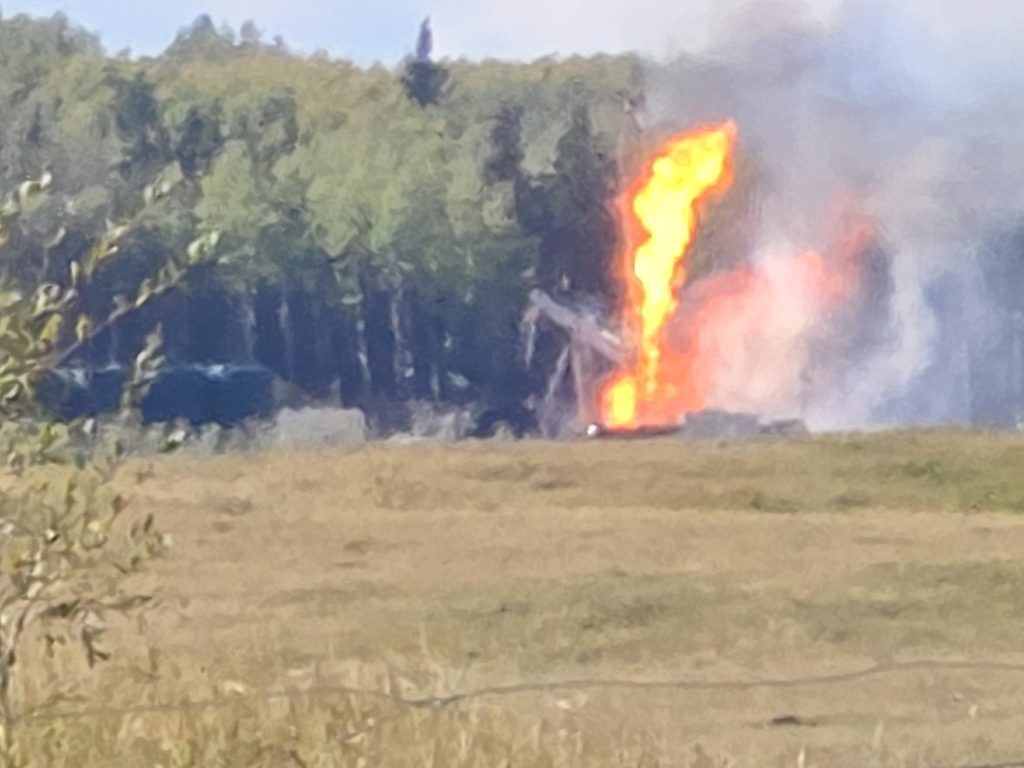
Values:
[(736, 331), (664, 212)]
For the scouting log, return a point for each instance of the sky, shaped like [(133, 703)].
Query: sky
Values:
[(368, 30), (950, 44), (385, 30)]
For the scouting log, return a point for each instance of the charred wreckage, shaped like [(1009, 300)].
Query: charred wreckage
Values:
[(590, 351)]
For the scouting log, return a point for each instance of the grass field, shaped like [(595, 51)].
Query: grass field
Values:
[(835, 601)]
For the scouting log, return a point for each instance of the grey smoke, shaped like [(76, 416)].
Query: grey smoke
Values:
[(926, 132)]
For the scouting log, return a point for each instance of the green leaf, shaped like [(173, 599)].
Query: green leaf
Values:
[(352, 299), (50, 332), (83, 327), (9, 299)]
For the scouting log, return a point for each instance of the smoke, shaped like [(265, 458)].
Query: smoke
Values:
[(917, 126), (747, 331)]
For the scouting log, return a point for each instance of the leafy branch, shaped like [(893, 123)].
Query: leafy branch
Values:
[(42, 329), (66, 548)]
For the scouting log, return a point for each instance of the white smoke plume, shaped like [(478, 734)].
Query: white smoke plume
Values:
[(923, 128)]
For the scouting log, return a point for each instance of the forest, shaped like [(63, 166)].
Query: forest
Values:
[(376, 231), (368, 235)]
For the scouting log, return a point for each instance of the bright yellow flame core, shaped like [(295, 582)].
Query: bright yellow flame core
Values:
[(691, 168)]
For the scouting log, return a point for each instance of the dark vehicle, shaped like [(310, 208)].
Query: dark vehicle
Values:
[(220, 394), (74, 393)]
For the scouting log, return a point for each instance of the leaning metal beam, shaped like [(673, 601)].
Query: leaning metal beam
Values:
[(581, 327)]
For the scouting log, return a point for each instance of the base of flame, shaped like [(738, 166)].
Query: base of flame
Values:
[(706, 425), (624, 433), (591, 350)]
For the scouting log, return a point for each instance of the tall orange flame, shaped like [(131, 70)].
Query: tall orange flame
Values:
[(657, 387)]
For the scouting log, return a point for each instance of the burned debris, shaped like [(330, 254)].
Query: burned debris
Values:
[(569, 404)]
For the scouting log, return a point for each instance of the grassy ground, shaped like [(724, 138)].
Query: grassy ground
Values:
[(824, 602)]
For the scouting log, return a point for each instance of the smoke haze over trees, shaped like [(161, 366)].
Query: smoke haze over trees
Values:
[(381, 228)]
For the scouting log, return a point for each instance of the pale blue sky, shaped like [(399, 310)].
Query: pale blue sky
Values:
[(369, 30), (364, 31)]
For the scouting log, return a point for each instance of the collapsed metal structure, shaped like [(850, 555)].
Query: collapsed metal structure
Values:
[(589, 354)]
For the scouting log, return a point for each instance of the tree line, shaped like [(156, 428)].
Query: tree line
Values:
[(376, 230)]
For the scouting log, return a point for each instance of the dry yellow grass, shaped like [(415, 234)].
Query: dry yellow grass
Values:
[(857, 601)]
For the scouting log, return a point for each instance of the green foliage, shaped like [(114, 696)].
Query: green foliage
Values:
[(43, 328), (464, 184), (64, 551), (424, 82)]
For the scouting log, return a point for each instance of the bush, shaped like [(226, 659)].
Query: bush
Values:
[(66, 545)]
